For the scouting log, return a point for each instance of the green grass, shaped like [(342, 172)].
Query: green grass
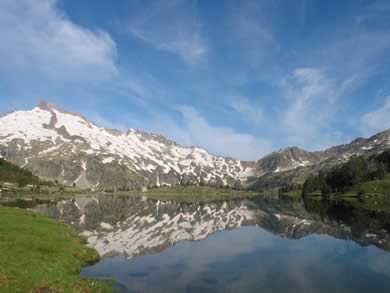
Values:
[(375, 195), (38, 254), (193, 194), (295, 194), (379, 188), (375, 187)]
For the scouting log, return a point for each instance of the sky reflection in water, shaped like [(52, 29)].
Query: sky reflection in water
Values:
[(251, 259)]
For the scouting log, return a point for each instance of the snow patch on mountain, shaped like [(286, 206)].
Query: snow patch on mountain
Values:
[(27, 126)]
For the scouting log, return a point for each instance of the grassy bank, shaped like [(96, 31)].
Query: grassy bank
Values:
[(38, 254), (375, 187)]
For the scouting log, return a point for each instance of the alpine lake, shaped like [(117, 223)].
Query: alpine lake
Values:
[(261, 244)]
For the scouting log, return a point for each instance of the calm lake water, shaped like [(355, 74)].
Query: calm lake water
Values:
[(310, 247), (250, 259)]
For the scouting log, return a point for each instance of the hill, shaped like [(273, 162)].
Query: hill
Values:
[(360, 174), (14, 174)]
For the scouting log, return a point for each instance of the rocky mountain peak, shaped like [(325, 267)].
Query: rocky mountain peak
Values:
[(47, 106), (287, 159), (53, 108)]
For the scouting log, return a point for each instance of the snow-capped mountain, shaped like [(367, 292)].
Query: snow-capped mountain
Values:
[(64, 146), (60, 145)]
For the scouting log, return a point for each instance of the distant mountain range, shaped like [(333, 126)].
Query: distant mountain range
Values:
[(59, 145)]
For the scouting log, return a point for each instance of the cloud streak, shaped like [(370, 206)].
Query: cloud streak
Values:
[(248, 110), (180, 33), (37, 38), (194, 129), (221, 140), (377, 120), (311, 98)]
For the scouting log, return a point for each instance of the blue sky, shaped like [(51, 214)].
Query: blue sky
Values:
[(240, 78)]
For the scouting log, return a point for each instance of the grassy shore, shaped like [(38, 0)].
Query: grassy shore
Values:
[(38, 254)]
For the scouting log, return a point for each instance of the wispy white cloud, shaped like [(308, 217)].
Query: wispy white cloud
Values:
[(251, 32), (382, 6), (360, 54), (248, 110), (140, 88), (375, 11), (170, 26), (102, 121), (221, 140), (377, 120), (311, 107), (38, 38)]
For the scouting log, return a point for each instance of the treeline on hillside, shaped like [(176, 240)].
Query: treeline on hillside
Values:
[(14, 174), (344, 177)]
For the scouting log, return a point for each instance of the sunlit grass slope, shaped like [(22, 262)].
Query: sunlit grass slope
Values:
[(38, 254)]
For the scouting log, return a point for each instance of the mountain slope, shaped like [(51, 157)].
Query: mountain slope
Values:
[(287, 159), (65, 146), (303, 163)]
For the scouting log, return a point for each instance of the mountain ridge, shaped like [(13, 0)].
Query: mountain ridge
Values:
[(62, 145), (326, 159), (50, 106), (46, 138)]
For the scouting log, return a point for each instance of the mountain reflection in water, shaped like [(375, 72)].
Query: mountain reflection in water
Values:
[(294, 246), (251, 259), (120, 225)]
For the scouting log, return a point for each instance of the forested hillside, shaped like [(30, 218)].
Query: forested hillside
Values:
[(345, 177), (14, 174)]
